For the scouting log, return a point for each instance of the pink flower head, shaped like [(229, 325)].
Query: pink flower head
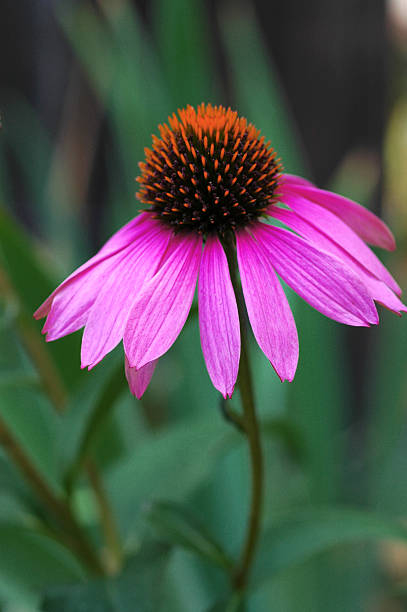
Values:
[(210, 175)]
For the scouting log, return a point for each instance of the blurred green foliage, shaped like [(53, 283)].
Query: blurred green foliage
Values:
[(175, 474)]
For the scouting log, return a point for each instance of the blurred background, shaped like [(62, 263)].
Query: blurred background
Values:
[(159, 487)]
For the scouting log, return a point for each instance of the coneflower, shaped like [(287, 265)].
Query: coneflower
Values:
[(212, 189)]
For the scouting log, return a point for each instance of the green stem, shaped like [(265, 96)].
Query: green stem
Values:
[(232, 416), (51, 380), (114, 550), (251, 428), (54, 387), (101, 411), (62, 513), (49, 375)]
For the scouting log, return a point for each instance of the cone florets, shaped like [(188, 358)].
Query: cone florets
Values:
[(209, 172)]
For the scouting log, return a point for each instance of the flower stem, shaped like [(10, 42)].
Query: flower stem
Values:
[(251, 428), (233, 417)]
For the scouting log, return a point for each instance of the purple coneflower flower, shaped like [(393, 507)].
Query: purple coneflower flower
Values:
[(208, 178)]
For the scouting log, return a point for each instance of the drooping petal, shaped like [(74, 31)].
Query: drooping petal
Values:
[(139, 379), (341, 233), (385, 296), (218, 318), (108, 316), (119, 241), (320, 279), (369, 227), (267, 306), (162, 307), (72, 302), (376, 288)]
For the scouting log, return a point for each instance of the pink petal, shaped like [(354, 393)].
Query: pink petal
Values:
[(376, 288), (320, 279), (72, 302), (108, 316), (139, 379), (162, 307), (385, 296), (293, 178), (218, 318), (267, 306), (339, 232), (125, 235), (362, 221), (119, 241)]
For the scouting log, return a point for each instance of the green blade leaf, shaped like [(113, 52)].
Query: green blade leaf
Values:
[(149, 471), (24, 272), (258, 92), (182, 34), (89, 411), (121, 63), (284, 430), (33, 424), (176, 524), (137, 587), (234, 604), (307, 533), (34, 561), (27, 138), (31, 286), (320, 382)]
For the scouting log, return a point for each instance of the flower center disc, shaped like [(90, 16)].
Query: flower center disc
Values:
[(209, 172)]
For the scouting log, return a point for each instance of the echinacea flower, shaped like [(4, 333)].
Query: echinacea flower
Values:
[(211, 176)]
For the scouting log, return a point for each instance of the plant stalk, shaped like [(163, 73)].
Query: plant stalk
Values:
[(61, 511), (55, 389), (114, 557), (251, 429)]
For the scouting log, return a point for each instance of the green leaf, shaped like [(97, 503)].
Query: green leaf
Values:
[(31, 146), (182, 34), (31, 286), (12, 510), (33, 424), (90, 410), (137, 588), (46, 185), (30, 561), (11, 482), (15, 366), (316, 402), (258, 92), (168, 464), (176, 524), (307, 533), (92, 41), (282, 429), (140, 585), (90, 597), (387, 400), (234, 604), (121, 64), (24, 272)]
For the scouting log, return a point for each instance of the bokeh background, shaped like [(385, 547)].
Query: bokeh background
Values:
[(83, 86)]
